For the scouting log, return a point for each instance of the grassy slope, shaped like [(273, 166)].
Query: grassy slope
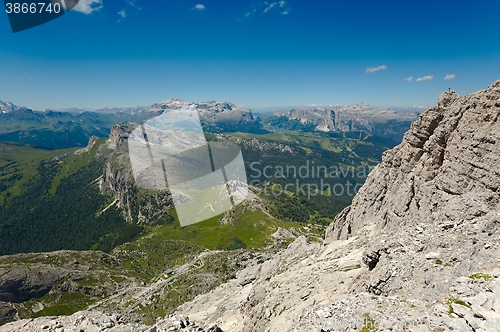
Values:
[(251, 228), (73, 163), (17, 159), (58, 205)]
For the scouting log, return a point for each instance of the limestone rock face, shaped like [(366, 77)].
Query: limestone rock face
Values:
[(22, 283), (444, 171), (119, 135)]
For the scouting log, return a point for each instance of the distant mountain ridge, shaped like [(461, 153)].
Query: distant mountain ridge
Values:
[(70, 127), (215, 116), (52, 130), (7, 107), (323, 118), (349, 117), (383, 122), (64, 128)]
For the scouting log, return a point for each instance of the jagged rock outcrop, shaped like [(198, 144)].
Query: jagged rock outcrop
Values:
[(416, 241), (92, 142), (221, 111), (117, 177), (208, 111), (214, 116), (444, 171), (119, 134)]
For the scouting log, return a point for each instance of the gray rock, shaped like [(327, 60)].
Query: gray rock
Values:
[(22, 283), (350, 118), (7, 312)]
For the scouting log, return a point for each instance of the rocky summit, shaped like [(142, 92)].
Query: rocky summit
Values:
[(6, 107), (416, 251)]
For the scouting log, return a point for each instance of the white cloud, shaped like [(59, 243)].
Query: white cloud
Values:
[(449, 77), (133, 4), (200, 7), (281, 5), (266, 8), (271, 6), (250, 12), (374, 69), (88, 6), (409, 79), (425, 78)]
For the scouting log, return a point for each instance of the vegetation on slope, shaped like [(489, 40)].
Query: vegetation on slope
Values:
[(59, 207)]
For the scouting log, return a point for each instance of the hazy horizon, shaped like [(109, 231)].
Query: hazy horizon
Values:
[(262, 110)]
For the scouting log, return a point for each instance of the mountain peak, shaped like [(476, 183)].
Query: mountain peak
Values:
[(7, 107)]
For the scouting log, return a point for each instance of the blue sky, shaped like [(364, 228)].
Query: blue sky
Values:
[(256, 54)]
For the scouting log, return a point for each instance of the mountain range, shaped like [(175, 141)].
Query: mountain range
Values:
[(73, 127), (383, 122)]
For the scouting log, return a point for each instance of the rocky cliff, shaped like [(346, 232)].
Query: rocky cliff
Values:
[(322, 118), (444, 171)]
